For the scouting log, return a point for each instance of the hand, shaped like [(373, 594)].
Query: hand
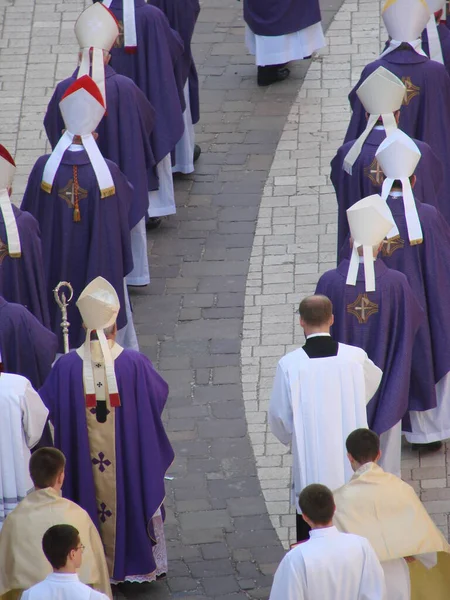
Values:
[(410, 559)]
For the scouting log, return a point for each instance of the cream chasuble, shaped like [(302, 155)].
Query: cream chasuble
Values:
[(384, 509), (316, 403), (102, 444), (22, 562)]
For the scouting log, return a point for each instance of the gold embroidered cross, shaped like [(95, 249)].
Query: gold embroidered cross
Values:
[(3, 251), (67, 193), (411, 90), (390, 246), (375, 173), (362, 308)]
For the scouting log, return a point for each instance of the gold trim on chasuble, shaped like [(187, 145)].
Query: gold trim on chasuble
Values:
[(102, 443), (411, 90), (72, 193), (392, 245), (375, 173), (362, 308), (3, 251)]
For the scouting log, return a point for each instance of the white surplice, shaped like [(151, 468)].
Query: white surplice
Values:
[(315, 404), (22, 421), (330, 566), (434, 424), (62, 586)]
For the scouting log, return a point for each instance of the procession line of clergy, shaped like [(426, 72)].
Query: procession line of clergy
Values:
[(389, 293)]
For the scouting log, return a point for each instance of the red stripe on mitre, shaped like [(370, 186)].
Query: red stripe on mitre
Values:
[(114, 400), (91, 401), (438, 14), (6, 155), (111, 13), (88, 84), (130, 49)]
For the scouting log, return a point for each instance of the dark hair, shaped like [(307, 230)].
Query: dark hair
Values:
[(45, 466), (363, 445), (316, 310), (317, 503), (58, 542)]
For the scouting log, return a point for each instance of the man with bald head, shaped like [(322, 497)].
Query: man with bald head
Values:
[(319, 397)]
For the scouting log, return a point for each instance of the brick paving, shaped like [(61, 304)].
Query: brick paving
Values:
[(255, 227), (295, 242)]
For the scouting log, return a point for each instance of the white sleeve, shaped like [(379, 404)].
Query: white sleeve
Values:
[(372, 378), (25, 595), (373, 586), (290, 580), (34, 416), (281, 418)]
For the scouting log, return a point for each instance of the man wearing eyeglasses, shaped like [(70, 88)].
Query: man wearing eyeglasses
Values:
[(63, 549)]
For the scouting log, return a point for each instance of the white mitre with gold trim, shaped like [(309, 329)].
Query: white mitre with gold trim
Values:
[(398, 156), (96, 30), (381, 94), (7, 170), (369, 220), (99, 306)]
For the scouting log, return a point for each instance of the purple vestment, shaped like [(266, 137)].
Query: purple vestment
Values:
[(99, 244), (427, 267), (424, 114), (153, 69), (183, 15), (26, 346), (444, 36), (280, 17), (367, 178), (143, 451), (384, 323), (124, 134), (22, 280)]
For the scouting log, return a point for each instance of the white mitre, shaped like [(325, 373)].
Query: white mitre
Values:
[(129, 25), (7, 170), (405, 20), (369, 220), (398, 156), (99, 306), (381, 94), (82, 109), (434, 41), (96, 30)]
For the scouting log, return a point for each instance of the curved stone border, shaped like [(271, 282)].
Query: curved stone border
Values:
[(295, 238)]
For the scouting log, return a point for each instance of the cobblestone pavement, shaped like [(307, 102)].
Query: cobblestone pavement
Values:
[(295, 242), (230, 475)]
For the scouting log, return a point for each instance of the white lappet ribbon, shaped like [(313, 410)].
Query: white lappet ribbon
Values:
[(369, 270), (434, 41), (12, 233), (101, 170), (394, 44), (88, 373), (390, 124), (415, 234), (129, 24), (98, 68)]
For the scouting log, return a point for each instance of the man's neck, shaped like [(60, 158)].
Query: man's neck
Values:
[(322, 331), (317, 526), (67, 570)]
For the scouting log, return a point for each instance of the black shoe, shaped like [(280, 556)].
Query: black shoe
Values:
[(197, 152), (431, 447), (153, 222), (272, 74)]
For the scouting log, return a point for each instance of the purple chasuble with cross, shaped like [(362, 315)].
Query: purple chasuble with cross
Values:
[(444, 37), (384, 323), (183, 15), (367, 178), (427, 268), (124, 134), (78, 252), (153, 68), (280, 17), (22, 280), (142, 452), (425, 113), (26, 346)]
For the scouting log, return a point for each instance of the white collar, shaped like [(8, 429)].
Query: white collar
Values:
[(76, 148), (379, 128), (324, 532), (62, 577), (363, 469), (396, 194), (313, 335)]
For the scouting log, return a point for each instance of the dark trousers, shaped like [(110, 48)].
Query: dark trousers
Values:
[(303, 529)]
